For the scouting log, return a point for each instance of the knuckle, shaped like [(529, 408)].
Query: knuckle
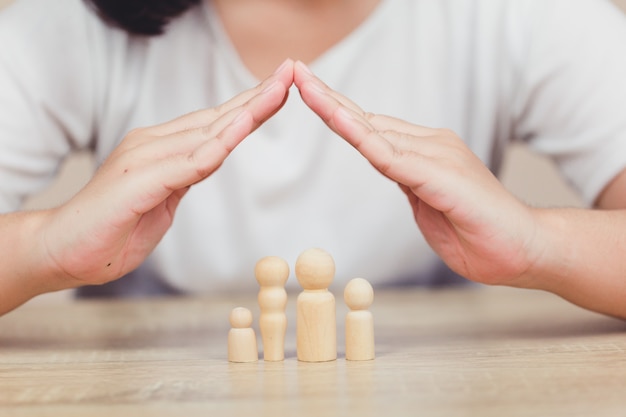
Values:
[(447, 132), (214, 112), (206, 132), (369, 116), (132, 139), (135, 134), (202, 169)]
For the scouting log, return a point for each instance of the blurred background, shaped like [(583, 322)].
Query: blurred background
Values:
[(530, 177)]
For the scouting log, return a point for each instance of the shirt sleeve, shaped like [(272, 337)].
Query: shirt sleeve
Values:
[(46, 93), (571, 101)]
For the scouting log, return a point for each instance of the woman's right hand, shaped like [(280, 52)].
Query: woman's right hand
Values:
[(112, 225)]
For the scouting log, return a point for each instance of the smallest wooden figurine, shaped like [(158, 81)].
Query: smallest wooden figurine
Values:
[(242, 345), (358, 296)]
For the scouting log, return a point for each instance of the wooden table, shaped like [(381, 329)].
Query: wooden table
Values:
[(464, 352)]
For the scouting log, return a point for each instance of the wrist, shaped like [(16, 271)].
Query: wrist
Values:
[(45, 270), (552, 254), (27, 271)]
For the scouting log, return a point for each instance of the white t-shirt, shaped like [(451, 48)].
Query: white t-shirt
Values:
[(549, 72)]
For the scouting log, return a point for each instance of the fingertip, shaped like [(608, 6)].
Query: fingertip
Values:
[(308, 83), (275, 94), (285, 64), (301, 72), (269, 87), (301, 66), (317, 99), (284, 72)]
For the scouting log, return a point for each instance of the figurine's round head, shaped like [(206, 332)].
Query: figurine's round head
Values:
[(271, 271), (358, 294), (240, 318), (315, 269)]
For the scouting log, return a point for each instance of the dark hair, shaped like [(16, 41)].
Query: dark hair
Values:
[(140, 17)]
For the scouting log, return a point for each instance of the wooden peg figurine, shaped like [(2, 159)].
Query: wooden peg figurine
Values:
[(316, 324), (271, 273), (241, 338), (358, 296)]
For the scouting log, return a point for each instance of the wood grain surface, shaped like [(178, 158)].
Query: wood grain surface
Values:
[(469, 352)]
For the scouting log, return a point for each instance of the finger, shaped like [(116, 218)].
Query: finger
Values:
[(363, 135), (307, 83), (401, 164), (364, 138), (282, 75), (258, 110), (312, 87), (149, 186), (388, 123), (443, 145), (356, 130), (302, 75), (157, 178), (261, 107), (429, 178)]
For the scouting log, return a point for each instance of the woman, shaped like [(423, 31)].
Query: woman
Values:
[(490, 72)]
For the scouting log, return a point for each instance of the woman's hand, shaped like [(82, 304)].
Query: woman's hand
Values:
[(112, 225), (477, 227)]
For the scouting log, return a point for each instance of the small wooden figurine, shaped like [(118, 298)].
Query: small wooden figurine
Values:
[(241, 337)]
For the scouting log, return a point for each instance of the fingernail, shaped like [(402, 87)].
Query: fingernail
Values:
[(304, 67), (343, 112), (281, 66), (239, 118), (317, 87), (269, 87)]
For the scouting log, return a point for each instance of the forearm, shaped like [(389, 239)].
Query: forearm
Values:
[(583, 258), (24, 272)]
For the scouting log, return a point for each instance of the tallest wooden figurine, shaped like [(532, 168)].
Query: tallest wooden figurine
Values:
[(271, 273), (316, 323)]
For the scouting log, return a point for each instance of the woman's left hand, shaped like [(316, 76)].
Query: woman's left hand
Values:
[(475, 225)]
